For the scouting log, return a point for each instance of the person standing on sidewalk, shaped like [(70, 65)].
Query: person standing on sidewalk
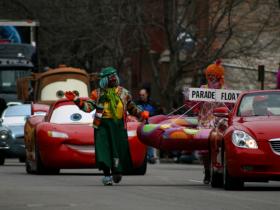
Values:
[(153, 108)]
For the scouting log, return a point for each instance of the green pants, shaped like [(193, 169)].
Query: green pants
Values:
[(111, 146)]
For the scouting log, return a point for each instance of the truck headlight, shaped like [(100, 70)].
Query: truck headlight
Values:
[(56, 134), (243, 140), (4, 135)]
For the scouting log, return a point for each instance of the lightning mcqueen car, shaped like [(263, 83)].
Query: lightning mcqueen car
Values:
[(245, 145), (64, 138)]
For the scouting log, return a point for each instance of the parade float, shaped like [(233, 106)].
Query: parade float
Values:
[(181, 132)]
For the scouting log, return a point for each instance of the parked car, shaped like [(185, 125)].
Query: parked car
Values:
[(5, 138), (13, 119), (13, 103), (64, 138), (245, 145)]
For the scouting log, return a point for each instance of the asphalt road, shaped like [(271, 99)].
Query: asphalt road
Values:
[(166, 186)]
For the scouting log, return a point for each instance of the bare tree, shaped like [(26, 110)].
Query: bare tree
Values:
[(94, 33), (86, 33), (199, 32)]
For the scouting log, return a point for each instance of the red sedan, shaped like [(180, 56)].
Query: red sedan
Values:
[(245, 145), (64, 138)]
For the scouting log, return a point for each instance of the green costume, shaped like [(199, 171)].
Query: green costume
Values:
[(111, 140)]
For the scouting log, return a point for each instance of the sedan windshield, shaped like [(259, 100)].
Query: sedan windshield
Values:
[(18, 110), (260, 104)]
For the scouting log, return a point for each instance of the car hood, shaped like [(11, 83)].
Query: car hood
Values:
[(17, 131), (262, 128), (14, 121)]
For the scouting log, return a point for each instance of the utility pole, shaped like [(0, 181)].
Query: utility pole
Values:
[(261, 74)]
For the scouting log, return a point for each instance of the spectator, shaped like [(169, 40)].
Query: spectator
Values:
[(145, 103)]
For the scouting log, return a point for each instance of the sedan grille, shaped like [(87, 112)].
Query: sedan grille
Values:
[(275, 145)]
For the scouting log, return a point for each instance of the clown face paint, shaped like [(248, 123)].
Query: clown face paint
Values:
[(113, 80), (213, 82)]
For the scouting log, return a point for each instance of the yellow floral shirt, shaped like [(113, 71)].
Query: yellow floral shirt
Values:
[(107, 113)]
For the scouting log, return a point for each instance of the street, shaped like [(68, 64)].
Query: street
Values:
[(165, 186)]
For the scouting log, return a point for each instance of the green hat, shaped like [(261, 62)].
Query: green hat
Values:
[(107, 71)]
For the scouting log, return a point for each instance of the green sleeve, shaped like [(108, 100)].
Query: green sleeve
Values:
[(132, 108), (85, 105)]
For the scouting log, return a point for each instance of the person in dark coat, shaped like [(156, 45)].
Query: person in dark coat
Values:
[(153, 108)]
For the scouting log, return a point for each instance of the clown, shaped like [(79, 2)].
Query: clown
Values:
[(111, 102), (214, 74)]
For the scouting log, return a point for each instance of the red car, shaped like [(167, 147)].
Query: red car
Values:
[(245, 145), (64, 138)]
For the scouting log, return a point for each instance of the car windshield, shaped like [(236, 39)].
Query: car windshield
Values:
[(18, 110), (260, 104), (55, 90), (71, 114), (8, 79)]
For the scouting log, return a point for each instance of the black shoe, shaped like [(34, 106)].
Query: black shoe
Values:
[(117, 178), (152, 160), (206, 179)]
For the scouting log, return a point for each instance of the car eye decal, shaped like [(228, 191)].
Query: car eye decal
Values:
[(76, 117), (60, 94), (69, 114)]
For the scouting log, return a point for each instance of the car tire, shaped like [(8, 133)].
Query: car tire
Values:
[(40, 168), (142, 169), (229, 182), (2, 160), (22, 159)]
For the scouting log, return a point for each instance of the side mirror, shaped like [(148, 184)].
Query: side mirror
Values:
[(221, 112)]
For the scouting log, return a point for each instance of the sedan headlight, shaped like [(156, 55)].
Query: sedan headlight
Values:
[(4, 135), (56, 134), (243, 140)]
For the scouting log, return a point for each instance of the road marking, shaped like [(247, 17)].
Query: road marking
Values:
[(193, 180), (32, 205)]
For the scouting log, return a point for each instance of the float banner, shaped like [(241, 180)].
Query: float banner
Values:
[(213, 95)]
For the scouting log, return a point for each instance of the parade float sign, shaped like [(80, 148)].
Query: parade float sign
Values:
[(213, 95)]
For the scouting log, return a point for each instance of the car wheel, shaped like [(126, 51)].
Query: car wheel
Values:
[(40, 168), (22, 159), (52, 171), (142, 169), (229, 182), (216, 178), (2, 160)]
